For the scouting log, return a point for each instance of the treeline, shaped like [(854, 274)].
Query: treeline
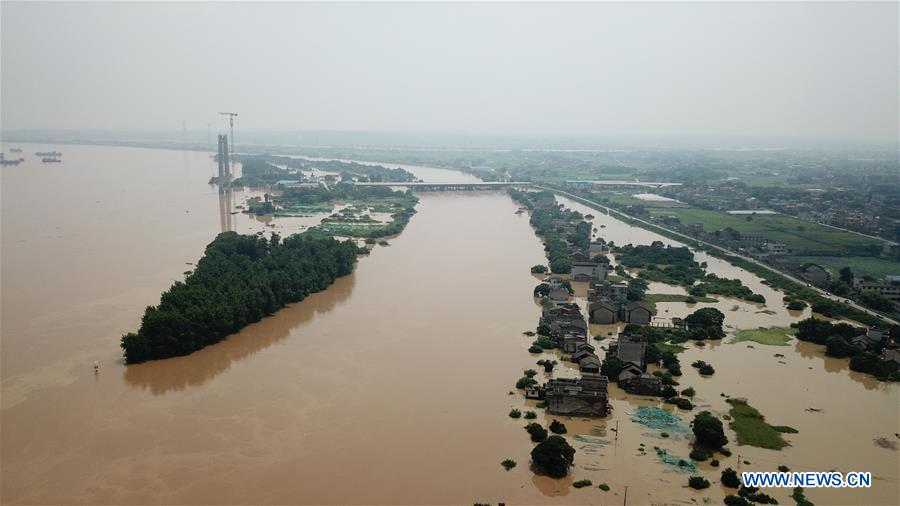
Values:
[(239, 280), (347, 170), (555, 226)]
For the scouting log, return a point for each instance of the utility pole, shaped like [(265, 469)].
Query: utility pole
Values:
[(625, 500)]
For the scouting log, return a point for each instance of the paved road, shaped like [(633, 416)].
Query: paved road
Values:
[(723, 250)]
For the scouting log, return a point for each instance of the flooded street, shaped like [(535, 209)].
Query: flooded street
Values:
[(390, 387)]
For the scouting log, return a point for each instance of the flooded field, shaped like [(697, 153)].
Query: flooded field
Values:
[(390, 387)]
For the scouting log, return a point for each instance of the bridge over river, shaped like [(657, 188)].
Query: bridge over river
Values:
[(420, 186)]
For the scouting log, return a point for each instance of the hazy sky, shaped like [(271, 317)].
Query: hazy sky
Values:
[(826, 70)]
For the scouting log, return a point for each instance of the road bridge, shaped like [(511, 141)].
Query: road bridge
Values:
[(423, 186)]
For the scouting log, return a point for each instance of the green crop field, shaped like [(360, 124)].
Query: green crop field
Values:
[(800, 236)]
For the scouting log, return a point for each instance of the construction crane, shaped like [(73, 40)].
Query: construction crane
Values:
[(231, 116)]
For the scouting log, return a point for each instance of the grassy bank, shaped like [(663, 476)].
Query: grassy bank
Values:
[(751, 427), (775, 336)]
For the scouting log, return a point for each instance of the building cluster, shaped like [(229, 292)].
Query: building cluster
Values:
[(584, 396), (607, 303), (631, 350)]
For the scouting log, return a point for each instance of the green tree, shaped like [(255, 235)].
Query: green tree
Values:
[(553, 457), (537, 432), (708, 430)]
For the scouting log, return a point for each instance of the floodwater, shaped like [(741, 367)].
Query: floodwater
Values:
[(390, 387)]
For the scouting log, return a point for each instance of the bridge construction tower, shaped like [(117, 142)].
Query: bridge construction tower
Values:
[(225, 175)]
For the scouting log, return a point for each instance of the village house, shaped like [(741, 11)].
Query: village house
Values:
[(603, 312), (815, 274), (587, 271), (776, 248), (642, 384), (597, 248), (892, 358), (889, 287), (589, 364), (585, 396), (635, 312), (630, 348), (608, 290)]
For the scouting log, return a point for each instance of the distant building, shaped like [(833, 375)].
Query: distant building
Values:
[(815, 274), (776, 248), (590, 270), (889, 287)]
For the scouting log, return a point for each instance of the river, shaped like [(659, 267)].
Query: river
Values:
[(390, 387)]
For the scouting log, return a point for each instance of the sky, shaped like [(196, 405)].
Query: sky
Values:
[(800, 70)]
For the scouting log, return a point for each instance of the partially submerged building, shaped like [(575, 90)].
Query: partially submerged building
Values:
[(585, 396)]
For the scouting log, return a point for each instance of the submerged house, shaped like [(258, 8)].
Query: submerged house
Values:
[(608, 290), (587, 271), (635, 312), (589, 364), (642, 384), (603, 312), (585, 396)]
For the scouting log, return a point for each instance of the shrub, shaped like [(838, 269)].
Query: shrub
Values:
[(541, 405), (699, 454), (535, 349), (796, 305), (714, 463), (530, 373), (557, 427), (537, 432), (604, 487), (526, 382), (508, 464), (730, 478), (515, 413), (548, 364), (704, 368), (736, 500), (783, 468), (553, 457), (530, 415), (539, 269), (689, 392), (698, 482), (683, 403), (544, 342), (582, 483)]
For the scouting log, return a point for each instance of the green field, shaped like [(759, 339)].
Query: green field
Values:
[(800, 236), (775, 336), (861, 266)]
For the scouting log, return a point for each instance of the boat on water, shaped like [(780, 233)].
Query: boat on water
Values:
[(15, 150), (50, 159), (50, 154)]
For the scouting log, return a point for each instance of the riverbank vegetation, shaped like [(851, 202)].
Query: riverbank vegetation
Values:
[(355, 219), (836, 337), (676, 266), (259, 171), (239, 280), (556, 226)]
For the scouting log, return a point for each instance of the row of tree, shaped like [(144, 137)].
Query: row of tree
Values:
[(239, 280)]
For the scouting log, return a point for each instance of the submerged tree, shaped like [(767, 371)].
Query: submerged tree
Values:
[(553, 457)]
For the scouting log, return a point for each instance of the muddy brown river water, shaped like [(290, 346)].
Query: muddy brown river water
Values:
[(391, 387)]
